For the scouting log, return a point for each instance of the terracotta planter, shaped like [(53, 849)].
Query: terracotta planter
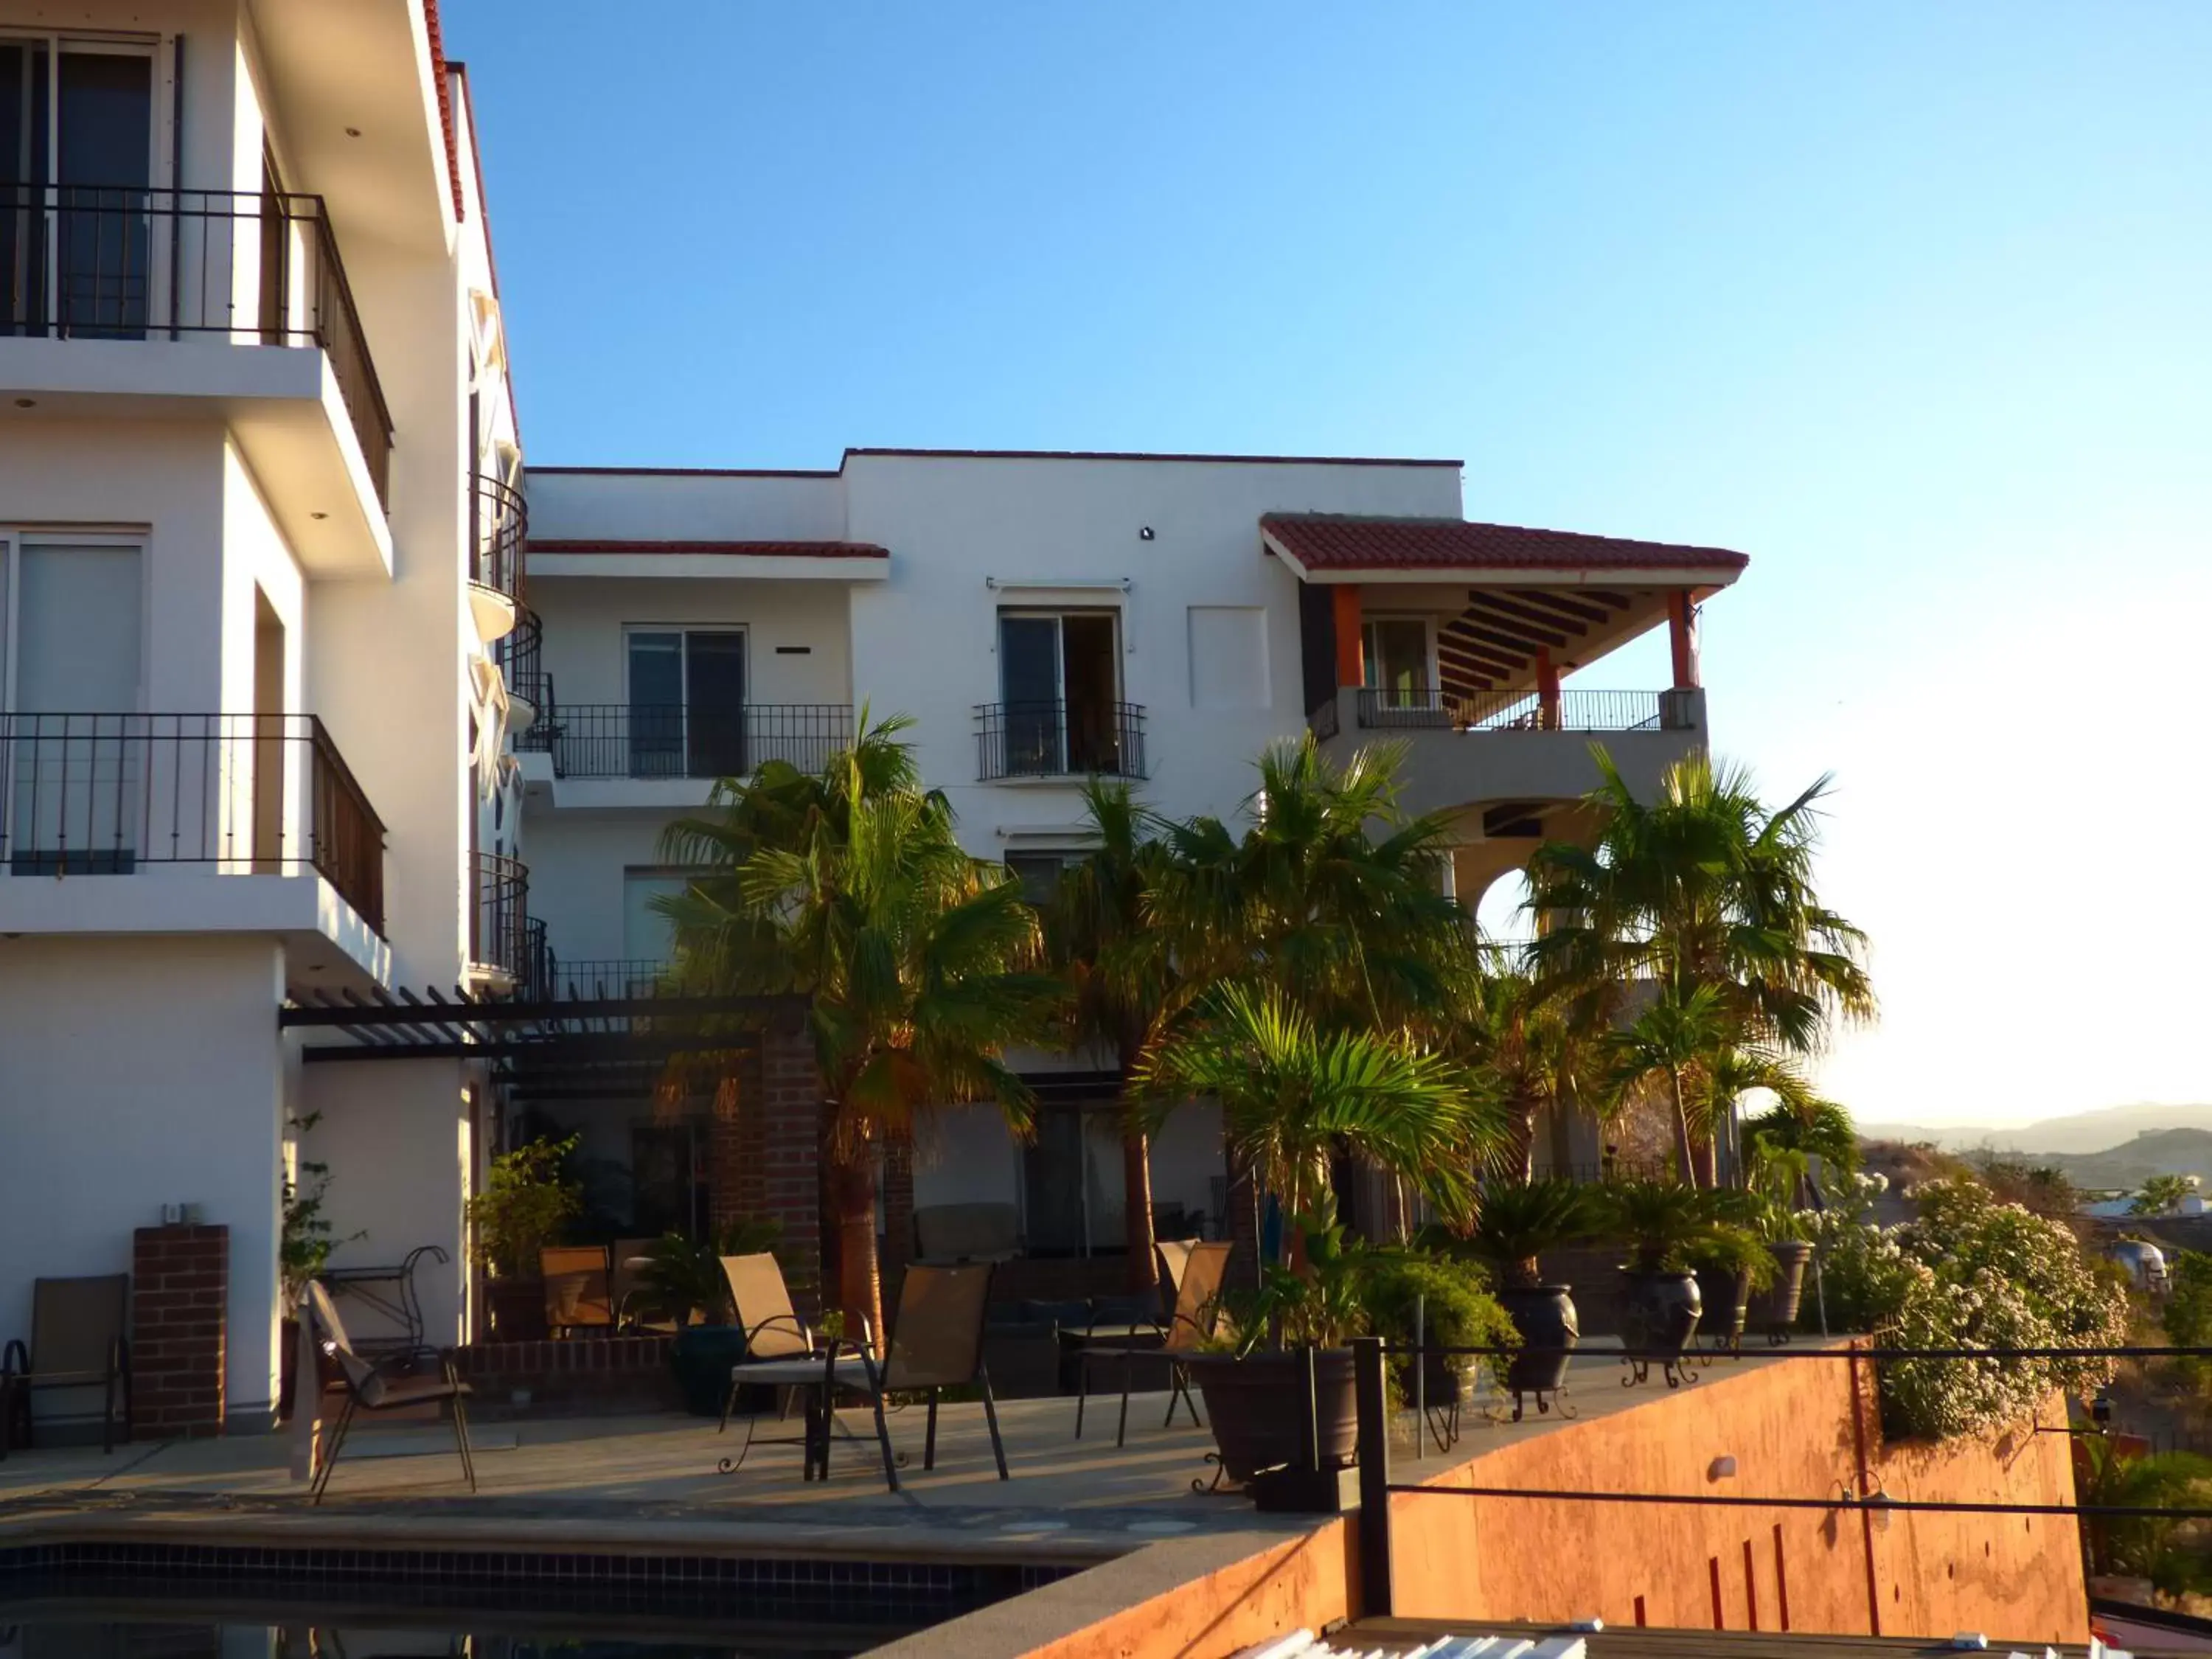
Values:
[(1545, 1317), (1774, 1310), (1256, 1407)]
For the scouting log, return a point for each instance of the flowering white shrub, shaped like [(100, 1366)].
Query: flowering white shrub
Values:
[(1968, 1272)]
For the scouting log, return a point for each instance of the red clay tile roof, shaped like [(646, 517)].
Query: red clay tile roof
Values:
[(742, 550), (1331, 541), (445, 104)]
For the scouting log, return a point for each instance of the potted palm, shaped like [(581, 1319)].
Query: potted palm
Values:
[(683, 1285), (526, 1199), (1291, 1095), (1731, 1262), (1663, 1224), (1513, 1228)]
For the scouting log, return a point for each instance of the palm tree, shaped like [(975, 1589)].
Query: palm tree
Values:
[(1703, 889), (1332, 898), (2110, 1479), (1529, 1047), (1666, 1042), (1291, 1092), (1121, 979), (849, 888)]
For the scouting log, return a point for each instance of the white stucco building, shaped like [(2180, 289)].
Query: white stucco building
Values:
[(1042, 616), (255, 438), (284, 736)]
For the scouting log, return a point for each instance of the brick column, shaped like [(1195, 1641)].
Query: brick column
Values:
[(898, 1215), (791, 1153), (737, 1148), (179, 1314)]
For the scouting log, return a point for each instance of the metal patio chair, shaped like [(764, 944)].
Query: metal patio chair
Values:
[(79, 1339), (578, 1294), (1196, 1279), (937, 1343), (371, 1387), (783, 1352)]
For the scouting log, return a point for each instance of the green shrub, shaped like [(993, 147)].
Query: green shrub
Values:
[(523, 1205), (1457, 1310), (684, 1275)]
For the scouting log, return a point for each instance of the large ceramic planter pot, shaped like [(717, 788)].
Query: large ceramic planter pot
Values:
[(1257, 1408), (702, 1356), (1774, 1309), (1545, 1317), (1660, 1319), (517, 1307), (1727, 1300)]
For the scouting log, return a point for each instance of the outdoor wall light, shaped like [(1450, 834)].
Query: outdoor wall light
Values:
[(1145, 533), (27, 403), (319, 517), (1721, 1468), (353, 132)]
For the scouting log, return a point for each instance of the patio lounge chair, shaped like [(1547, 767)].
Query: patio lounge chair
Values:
[(78, 1340), (1196, 1279), (577, 1294), (370, 1387)]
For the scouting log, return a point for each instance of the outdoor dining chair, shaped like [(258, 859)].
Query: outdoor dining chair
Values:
[(782, 1352), (578, 1297), (1197, 1286), (377, 1386), (78, 1340), (937, 1343)]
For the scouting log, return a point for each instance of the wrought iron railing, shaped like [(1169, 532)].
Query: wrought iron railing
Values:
[(536, 981), (499, 915), (1058, 740), (102, 262), (1529, 711), (519, 653), (647, 740), (607, 976), (246, 794), (499, 528)]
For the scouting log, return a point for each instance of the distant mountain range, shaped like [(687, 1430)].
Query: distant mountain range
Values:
[(2116, 1149), (2082, 1132)]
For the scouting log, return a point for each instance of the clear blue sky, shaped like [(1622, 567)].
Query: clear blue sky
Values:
[(1910, 303)]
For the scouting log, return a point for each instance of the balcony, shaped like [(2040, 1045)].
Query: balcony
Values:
[(1059, 740), (266, 800), (1516, 747), (499, 527), (667, 755), (502, 946), (521, 656), (132, 301)]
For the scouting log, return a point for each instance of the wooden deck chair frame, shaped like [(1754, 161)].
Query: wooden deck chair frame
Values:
[(368, 1388)]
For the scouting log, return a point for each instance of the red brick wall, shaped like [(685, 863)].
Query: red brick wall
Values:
[(621, 1370), (898, 1210), (791, 1154), (179, 1307), (765, 1151)]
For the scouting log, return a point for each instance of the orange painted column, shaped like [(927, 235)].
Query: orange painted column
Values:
[(1547, 690), (1682, 634), (1349, 669)]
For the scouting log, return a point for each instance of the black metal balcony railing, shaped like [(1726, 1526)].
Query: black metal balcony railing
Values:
[(519, 654), (1058, 740), (644, 740), (499, 527), (1525, 711), (536, 983), (615, 977), (499, 915), (99, 262), (250, 794)]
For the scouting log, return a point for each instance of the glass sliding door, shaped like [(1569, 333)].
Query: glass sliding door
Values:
[(76, 164), (77, 776), (1060, 683), (687, 703)]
